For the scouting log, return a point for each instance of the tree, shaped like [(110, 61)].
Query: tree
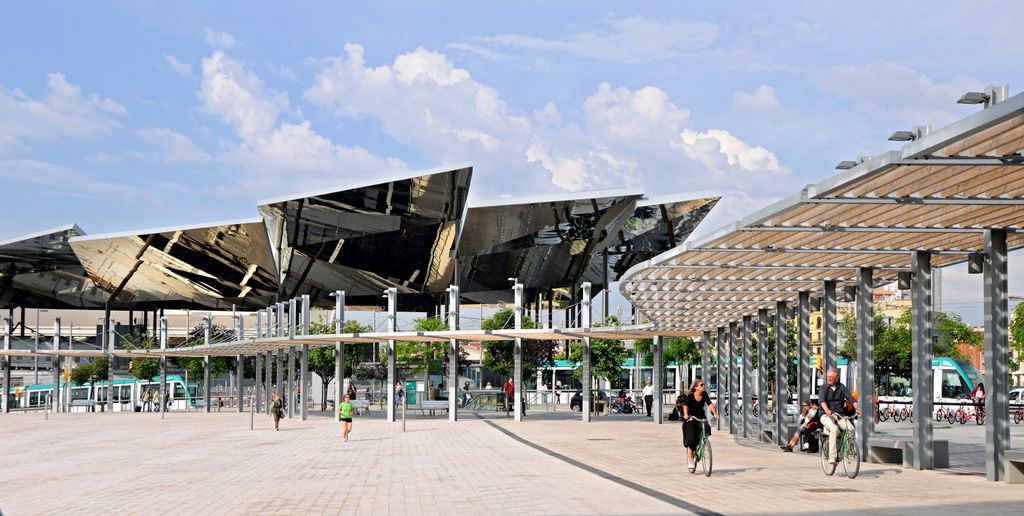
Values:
[(143, 368), (90, 372), (321, 359), (893, 340), (674, 349), (194, 365), (606, 356), (499, 355), (1017, 333)]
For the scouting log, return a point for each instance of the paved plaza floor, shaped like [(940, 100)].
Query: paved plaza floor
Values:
[(196, 463)]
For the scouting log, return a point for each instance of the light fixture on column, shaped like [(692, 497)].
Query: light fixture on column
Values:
[(849, 293), (975, 263), (973, 97), (815, 304), (903, 280), (846, 165), (902, 136)]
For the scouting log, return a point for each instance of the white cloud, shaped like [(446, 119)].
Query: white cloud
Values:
[(630, 40), (179, 67), (899, 94), (176, 147), (62, 111), (624, 137), (718, 150), (481, 51), (276, 153), (762, 99), (219, 39)]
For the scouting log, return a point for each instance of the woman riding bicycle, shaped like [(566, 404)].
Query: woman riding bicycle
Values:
[(694, 405)]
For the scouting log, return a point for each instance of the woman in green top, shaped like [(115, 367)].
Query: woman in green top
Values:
[(345, 410)]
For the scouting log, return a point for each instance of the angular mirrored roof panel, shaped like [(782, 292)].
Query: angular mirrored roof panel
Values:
[(216, 266), (399, 233), (545, 242), (41, 269), (656, 226)]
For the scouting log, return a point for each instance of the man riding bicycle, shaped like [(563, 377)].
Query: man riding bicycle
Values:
[(832, 396)]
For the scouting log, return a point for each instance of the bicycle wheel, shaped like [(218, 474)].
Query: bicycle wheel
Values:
[(1016, 417), (851, 456), (826, 466), (883, 415), (705, 458), (979, 417), (950, 416)]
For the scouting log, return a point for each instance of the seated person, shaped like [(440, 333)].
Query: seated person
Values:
[(810, 421)]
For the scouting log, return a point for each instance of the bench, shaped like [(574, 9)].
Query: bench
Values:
[(430, 405), (89, 405), (896, 451), (360, 405), (1014, 466)]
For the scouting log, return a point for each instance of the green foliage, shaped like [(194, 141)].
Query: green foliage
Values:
[(893, 340), (606, 356), (321, 359), (194, 365), (93, 371), (423, 357), (143, 368), (499, 355), (674, 349), (1017, 328)]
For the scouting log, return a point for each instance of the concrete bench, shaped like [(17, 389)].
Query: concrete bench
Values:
[(1014, 466), (360, 405), (88, 404), (897, 451)]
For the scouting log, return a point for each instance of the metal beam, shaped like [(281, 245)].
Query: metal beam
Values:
[(517, 351), (807, 250), (921, 360), (829, 326), (762, 371), (866, 358), (771, 267), (720, 372), (453, 354), (921, 201), (339, 352), (863, 229), (659, 380), (748, 378), (587, 378), (734, 377), (392, 387), (781, 396), (997, 356), (804, 386), (304, 359)]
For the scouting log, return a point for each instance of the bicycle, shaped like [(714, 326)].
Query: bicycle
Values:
[(703, 451), (1018, 415), (847, 453), (887, 412)]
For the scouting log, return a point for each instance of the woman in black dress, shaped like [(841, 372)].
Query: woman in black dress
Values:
[(694, 405)]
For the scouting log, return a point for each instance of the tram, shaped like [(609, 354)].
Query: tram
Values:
[(89, 397)]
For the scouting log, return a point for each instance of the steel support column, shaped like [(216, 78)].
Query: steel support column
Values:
[(292, 325), (304, 360), (339, 352), (658, 408), (921, 358), (258, 364), (392, 296), (829, 327), (721, 357), (781, 396), (55, 400), (517, 353), (453, 354), (162, 400), (762, 372), (705, 361), (240, 365), (747, 380), (866, 357), (207, 381), (587, 378), (997, 355), (8, 333), (804, 389), (734, 378)]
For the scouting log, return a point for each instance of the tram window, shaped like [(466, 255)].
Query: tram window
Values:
[(33, 399), (81, 393), (952, 385), (179, 391)]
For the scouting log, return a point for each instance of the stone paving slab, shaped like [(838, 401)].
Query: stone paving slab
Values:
[(213, 464)]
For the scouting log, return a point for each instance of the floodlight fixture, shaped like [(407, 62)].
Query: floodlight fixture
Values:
[(846, 165), (902, 136), (974, 97)]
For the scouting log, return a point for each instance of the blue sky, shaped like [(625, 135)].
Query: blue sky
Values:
[(131, 116)]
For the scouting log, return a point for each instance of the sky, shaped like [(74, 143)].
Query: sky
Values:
[(128, 116)]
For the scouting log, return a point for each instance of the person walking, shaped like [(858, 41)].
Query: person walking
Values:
[(277, 410), (648, 394), (147, 400), (345, 411), (351, 391), (399, 393), (510, 391)]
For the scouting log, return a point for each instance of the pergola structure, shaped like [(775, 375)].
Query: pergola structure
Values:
[(950, 196)]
